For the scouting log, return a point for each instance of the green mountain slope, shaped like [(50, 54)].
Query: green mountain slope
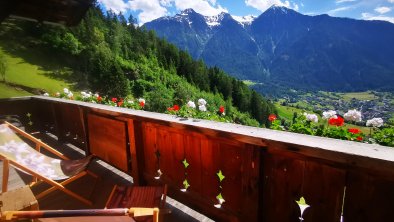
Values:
[(107, 55)]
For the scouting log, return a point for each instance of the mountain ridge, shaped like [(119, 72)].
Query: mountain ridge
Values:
[(288, 48)]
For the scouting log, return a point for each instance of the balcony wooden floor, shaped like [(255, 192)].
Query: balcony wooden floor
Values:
[(99, 190)]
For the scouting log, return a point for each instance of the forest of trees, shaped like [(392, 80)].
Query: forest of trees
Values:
[(111, 55)]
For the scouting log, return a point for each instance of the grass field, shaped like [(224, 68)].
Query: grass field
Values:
[(24, 73), (368, 95), (287, 111), (249, 82), (7, 92)]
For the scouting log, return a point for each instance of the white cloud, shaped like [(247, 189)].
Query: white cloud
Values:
[(166, 3), (369, 16), (114, 5), (391, 1), (334, 11), (150, 9), (263, 5), (295, 6), (204, 7), (343, 1), (382, 9)]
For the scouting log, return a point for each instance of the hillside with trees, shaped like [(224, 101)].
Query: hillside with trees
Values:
[(108, 54)]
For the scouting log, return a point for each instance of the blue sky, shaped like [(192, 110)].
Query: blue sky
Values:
[(147, 10)]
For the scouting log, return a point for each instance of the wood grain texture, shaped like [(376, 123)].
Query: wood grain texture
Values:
[(133, 152), (69, 124), (150, 148), (368, 198), (205, 156), (107, 138), (287, 180)]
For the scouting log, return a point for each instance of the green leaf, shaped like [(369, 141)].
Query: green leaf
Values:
[(219, 196), (220, 175), (185, 163), (186, 184), (301, 201)]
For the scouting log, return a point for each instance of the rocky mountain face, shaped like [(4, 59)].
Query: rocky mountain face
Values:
[(284, 48)]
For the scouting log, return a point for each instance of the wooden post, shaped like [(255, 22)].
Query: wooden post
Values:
[(84, 122), (133, 152), (139, 153), (6, 173), (58, 124)]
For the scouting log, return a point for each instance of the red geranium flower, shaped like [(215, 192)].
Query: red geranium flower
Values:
[(99, 99), (354, 131), (174, 108), (221, 109), (339, 121), (114, 99), (272, 117), (120, 103), (359, 138), (142, 104)]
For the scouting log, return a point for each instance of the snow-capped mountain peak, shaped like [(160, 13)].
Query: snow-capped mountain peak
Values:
[(214, 20), (278, 9), (187, 11), (244, 20)]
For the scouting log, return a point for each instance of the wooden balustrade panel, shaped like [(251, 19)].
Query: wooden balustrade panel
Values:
[(150, 148), (231, 160), (45, 116), (69, 123), (287, 179), (171, 162), (107, 140), (368, 198), (192, 149), (205, 156)]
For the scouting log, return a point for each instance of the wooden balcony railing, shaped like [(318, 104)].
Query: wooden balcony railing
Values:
[(264, 171)]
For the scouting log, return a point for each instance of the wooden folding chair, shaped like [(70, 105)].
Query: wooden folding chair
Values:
[(138, 197), (16, 152)]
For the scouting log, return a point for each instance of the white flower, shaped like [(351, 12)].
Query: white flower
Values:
[(70, 94), (311, 117), (191, 104), (130, 101), (202, 108), (85, 95), (66, 91), (329, 114), (375, 122), (96, 95), (141, 100), (202, 102), (57, 94), (353, 115), (46, 94)]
